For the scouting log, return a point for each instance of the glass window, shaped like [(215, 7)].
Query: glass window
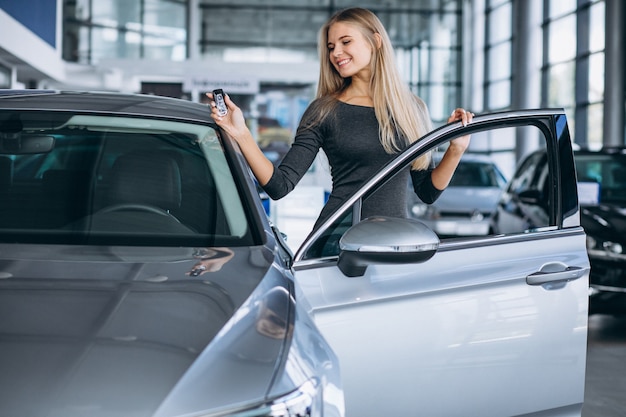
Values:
[(562, 40), (595, 125), (108, 42), (561, 85), (427, 39), (561, 7), (596, 77), (119, 181), (499, 58), (81, 11), (565, 62), (116, 13), (500, 24), (597, 32), (499, 94), (477, 203), (152, 29), (495, 3)]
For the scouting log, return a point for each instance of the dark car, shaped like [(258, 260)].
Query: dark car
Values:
[(528, 200), (140, 276), (602, 194)]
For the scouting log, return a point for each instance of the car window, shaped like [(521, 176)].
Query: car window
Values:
[(118, 181), (529, 202), (327, 245), (606, 173), (478, 202)]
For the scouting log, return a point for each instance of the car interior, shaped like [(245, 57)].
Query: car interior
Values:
[(118, 184)]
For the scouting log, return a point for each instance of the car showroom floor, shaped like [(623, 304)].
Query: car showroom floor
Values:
[(605, 389)]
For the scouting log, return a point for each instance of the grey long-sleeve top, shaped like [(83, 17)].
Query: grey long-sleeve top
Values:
[(350, 140)]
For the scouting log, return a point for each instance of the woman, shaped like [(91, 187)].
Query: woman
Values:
[(362, 116)]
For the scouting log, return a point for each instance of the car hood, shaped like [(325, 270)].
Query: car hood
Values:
[(111, 331), (464, 199), (606, 221)]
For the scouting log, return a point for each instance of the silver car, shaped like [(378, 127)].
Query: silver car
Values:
[(464, 208), (140, 276)]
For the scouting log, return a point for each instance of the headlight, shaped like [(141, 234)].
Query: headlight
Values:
[(424, 211), (305, 401), (605, 248), (613, 247)]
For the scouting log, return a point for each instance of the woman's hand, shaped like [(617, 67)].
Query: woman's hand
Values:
[(233, 122), (444, 171), (461, 114), (460, 144)]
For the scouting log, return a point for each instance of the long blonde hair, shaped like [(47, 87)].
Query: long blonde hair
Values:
[(403, 117)]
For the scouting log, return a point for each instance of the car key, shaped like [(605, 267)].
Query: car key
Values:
[(218, 96)]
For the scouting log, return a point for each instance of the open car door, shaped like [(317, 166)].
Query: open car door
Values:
[(491, 325)]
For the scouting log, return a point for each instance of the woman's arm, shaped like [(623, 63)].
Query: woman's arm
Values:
[(443, 172), (234, 124)]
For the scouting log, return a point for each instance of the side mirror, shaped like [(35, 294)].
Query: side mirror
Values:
[(385, 240)]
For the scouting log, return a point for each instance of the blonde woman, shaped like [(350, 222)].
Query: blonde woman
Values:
[(362, 116)]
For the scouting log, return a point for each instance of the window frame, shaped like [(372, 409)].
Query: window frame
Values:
[(547, 121)]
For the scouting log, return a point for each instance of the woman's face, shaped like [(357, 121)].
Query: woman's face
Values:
[(349, 51)]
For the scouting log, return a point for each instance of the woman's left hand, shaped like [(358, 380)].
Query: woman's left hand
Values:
[(461, 114), (460, 144)]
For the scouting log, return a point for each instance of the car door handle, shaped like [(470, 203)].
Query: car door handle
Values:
[(555, 273)]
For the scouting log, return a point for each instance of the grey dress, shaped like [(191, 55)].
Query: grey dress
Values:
[(349, 137)]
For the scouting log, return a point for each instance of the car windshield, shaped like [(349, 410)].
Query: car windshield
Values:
[(95, 179), (601, 178)]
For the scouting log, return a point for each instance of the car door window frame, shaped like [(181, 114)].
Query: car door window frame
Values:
[(547, 121)]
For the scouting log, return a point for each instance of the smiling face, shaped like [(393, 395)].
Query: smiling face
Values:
[(350, 52)]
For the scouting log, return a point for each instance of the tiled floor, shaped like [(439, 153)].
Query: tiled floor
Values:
[(605, 389)]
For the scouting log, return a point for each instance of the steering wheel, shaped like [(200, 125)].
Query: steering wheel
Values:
[(134, 207)]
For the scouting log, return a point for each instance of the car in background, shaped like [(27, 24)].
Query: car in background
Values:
[(602, 193), (273, 139), (140, 276), (465, 206), (528, 200)]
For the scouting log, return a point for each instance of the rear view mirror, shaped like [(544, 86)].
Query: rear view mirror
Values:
[(16, 143), (385, 240)]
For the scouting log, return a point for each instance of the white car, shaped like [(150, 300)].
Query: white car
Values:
[(141, 277)]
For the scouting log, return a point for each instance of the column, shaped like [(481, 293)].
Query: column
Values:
[(527, 57), (614, 74)]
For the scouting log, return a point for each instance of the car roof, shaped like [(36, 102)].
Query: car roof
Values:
[(104, 102)]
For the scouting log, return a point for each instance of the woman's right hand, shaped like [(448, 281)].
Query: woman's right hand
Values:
[(233, 122)]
